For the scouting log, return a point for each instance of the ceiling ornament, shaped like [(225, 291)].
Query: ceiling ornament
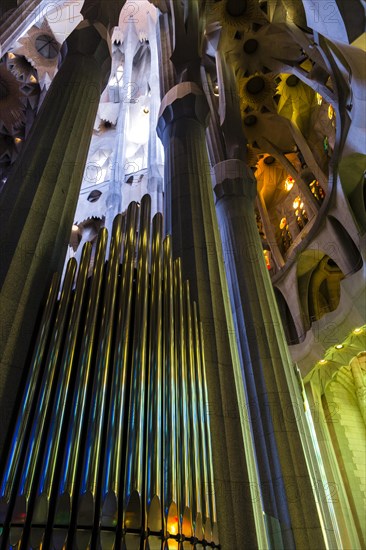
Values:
[(297, 101), (257, 92), (270, 48), (41, 49), (266, 130), (235, 14), (21, 68), (12, 101)]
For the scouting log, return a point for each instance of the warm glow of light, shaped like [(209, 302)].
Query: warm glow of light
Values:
[(319, 99), (301, 205), (357, 330), (289, 183), (146, 110), (11, 55), (75, 228), (330, 112), (283, 223), (339, 346), (172, 526), (322, 361), (18, 140), (33, 79), (267, 258), (296, 203), (216, 89)]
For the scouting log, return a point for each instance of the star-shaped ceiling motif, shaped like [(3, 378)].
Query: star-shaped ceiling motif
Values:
[(41, 50)]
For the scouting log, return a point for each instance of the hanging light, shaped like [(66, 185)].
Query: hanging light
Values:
[(283, 223), (146, 110), (216, 89), (267, 258), (289, 183), (339, 346), (296, 203)]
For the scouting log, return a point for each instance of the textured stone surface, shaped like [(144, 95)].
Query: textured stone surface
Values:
[(183, 117), (39, 201), (266, 361)]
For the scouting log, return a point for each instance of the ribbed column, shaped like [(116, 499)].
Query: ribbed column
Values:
[(264, 349), (155, 185), (114, 199), (181, 127), (38, 204)]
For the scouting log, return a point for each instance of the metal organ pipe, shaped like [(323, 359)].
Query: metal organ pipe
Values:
[(112, 473), (73, 448), (136, 418), (59, 411), (153, 458), (19, 436), (29, 471), (112, 442)]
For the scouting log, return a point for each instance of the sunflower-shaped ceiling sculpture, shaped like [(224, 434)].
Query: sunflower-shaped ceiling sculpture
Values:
[(12, 101), (235, 14), (263, 129), (297, 101), (270, 48), (41, 49), (257, 92)]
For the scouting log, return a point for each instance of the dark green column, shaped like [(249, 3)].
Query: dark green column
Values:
[(38, 203), (264, 350), (192, 222)]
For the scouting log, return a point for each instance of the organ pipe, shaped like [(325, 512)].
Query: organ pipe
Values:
[(112, 443)]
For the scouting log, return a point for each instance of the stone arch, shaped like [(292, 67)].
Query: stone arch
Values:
[(287, 319), (319, 280), (349, 250), (357, 201), (324, 288)]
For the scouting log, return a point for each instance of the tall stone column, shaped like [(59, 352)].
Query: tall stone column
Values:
[(265, 354), (38, 203), (114, 199), (181, 127), (155, 184)]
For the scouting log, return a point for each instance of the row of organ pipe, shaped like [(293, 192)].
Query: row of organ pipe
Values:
[(111, 446)]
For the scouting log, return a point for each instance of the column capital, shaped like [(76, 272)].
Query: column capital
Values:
[(185, 100), (234, 178)]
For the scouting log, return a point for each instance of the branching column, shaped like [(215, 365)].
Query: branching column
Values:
[(38, 203), (263, 345), (181, 127)]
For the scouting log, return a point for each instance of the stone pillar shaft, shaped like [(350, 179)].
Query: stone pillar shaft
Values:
[(39, 201), (194, 229), (264, 348)]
